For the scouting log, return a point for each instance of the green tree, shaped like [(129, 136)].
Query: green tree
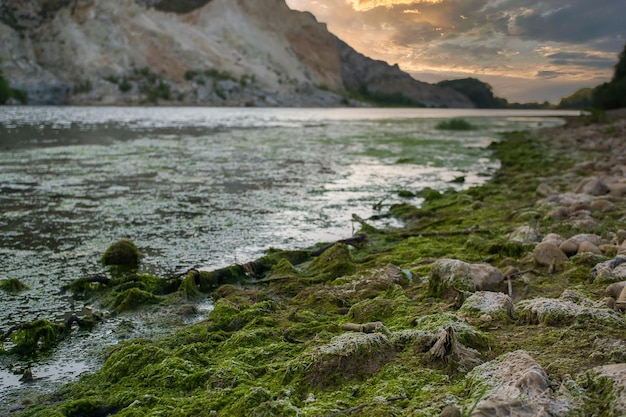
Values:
[(581, 99), (620, 68), (612, 95), (480, 93)]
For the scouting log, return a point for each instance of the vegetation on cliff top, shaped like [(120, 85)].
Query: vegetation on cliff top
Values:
[(612, 95), (7, 92), (353, 327)]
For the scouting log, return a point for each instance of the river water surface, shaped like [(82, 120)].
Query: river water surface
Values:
[(203, 188)]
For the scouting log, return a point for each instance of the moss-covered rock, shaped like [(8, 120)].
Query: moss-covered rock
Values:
[(124, 252), (38, 335), (347, 356), (333, 263), (496, 306), (569, 308), (13, 286), (449, 276), (466, 333), (514, 382), (132, 299)]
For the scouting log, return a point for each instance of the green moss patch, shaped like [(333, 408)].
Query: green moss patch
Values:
[(12, 286)]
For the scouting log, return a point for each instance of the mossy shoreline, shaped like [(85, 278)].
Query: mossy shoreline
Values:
[(360, 329)]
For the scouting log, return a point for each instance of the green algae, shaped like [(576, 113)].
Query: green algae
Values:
[(38, 335), (124, 252), (274, 344), (333, 263), (132, 299), (13, 286)]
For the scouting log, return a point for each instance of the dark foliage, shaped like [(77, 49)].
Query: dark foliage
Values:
[(7, 93), (395, 99), (612, 95), (478, 92), (581, 99)]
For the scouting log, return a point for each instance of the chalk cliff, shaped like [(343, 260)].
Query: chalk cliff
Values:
[(189, 52)]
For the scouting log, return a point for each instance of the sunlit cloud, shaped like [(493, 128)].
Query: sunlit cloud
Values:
[(520, 47), (365, 5)]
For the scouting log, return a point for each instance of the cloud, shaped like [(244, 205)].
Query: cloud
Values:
[(576, 21), (572, 42), (581, 59), (549, 74), (365, 5)]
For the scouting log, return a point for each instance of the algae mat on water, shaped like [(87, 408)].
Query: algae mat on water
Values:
[(360, 330)]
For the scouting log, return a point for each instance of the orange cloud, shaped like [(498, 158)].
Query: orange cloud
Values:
[(364, 5)]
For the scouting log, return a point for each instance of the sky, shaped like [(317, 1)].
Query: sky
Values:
[(527, 50)]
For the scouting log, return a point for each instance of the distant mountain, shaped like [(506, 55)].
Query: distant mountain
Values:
[(193, 52)]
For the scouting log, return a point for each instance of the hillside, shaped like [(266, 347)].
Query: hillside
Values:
[(193, 52)]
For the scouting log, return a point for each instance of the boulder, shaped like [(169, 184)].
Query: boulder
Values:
[(560, 213), (592, 186), (614, 290), (452, 274), (553, 238), (545, 190), (570, 307), (547, 253), (524, 234), (514, 384), (618, 189), (588, 247), (602, 205), (569, 247), (586, 237), (613, 270), (495, 305), (124, 252)]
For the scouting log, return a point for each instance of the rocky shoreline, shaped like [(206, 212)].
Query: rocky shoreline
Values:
[(505, 299)]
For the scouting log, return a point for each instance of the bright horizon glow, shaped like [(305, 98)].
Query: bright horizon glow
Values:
[(527, 50)]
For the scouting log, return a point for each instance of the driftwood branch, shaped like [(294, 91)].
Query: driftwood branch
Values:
[(97, 278), (358, 238), (450, 233), (447, 348), (372, 327), (184, 274)]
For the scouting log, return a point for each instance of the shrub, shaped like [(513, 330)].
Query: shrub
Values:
[(455, 124)]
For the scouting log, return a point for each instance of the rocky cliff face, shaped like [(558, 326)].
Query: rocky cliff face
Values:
[(207, 52)]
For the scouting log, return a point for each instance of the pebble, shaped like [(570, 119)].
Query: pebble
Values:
[(620, 303), (614, 290), (553, 238), (547, 254), (592, 186), (524, 234), (602, 205), (588, 247), (569, 247)]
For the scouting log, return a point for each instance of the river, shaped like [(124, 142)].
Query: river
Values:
[(202, 188)]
